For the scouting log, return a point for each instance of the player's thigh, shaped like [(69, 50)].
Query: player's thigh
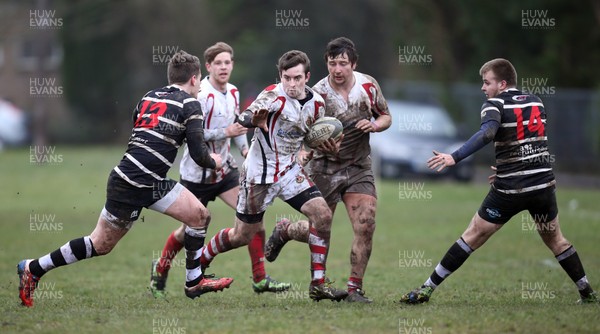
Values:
[(230, 196), (299, 191), (361, 208), (253, 199), (479, 231), (331, 186)]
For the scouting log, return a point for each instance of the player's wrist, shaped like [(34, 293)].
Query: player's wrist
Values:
[(375, 126)]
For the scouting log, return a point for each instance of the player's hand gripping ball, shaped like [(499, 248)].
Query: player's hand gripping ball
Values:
[(323, 129)]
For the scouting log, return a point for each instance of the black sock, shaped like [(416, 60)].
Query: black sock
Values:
[(570, 262), (452, 260), (74, 250)]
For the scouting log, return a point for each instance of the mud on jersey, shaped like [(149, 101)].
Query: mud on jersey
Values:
[(365, 101), (160, 120), (272, 153), (220, 110), (522, 159)]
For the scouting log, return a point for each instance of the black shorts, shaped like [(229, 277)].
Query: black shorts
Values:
[(498, 207), (125, 201), (209, 192)]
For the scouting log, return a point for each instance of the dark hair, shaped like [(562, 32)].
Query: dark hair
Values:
[(503, 70), (293, 58), (339, 46), (211, 53), (182, 67)]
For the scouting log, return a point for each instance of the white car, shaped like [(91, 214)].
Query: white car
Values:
[(417, 130), (13, 125)]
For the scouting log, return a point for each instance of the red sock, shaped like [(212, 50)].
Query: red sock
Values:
[(218, 244), (172, 247), (354, 283), (256, 248), (318, 256)]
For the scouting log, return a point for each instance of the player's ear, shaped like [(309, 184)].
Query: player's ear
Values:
[(207, 65), (503, 85), (307, 76)]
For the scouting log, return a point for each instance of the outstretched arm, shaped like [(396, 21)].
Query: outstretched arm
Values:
[(486, 134)]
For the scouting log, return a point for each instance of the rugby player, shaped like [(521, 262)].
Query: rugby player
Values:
[(516, 122), (282, 115), (162, 120), (220, 103), (346, 175)]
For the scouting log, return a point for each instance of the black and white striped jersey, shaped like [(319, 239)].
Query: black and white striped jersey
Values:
[(159, 129), (522, 159)]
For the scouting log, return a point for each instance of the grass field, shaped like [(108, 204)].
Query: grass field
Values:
[(511, 285)]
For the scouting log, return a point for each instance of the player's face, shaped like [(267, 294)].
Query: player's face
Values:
[(491, 86), (340, 70), (294, 81), (220, 68)]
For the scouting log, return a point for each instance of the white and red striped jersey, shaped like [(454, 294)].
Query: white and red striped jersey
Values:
[(220, 110), (273, 153)]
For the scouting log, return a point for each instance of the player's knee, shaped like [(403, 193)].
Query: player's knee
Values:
[(365, 227), (365, 221), (322, 220), (324, 215), (102, 247), (246, 236), (200, 217), (242, 235)]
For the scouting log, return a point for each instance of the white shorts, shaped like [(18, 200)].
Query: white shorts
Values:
[(255, 198)]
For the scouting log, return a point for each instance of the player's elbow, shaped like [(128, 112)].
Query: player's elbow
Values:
[(488, 135)]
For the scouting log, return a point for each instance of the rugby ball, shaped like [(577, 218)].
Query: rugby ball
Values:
[(323, 129)]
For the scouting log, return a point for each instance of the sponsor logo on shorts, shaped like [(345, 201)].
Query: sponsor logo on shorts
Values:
[(134, 214), (493, 213), (299, 178)]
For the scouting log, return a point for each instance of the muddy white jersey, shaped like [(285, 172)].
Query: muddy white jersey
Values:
[(220, 110), (272, 153), (365, 101)]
